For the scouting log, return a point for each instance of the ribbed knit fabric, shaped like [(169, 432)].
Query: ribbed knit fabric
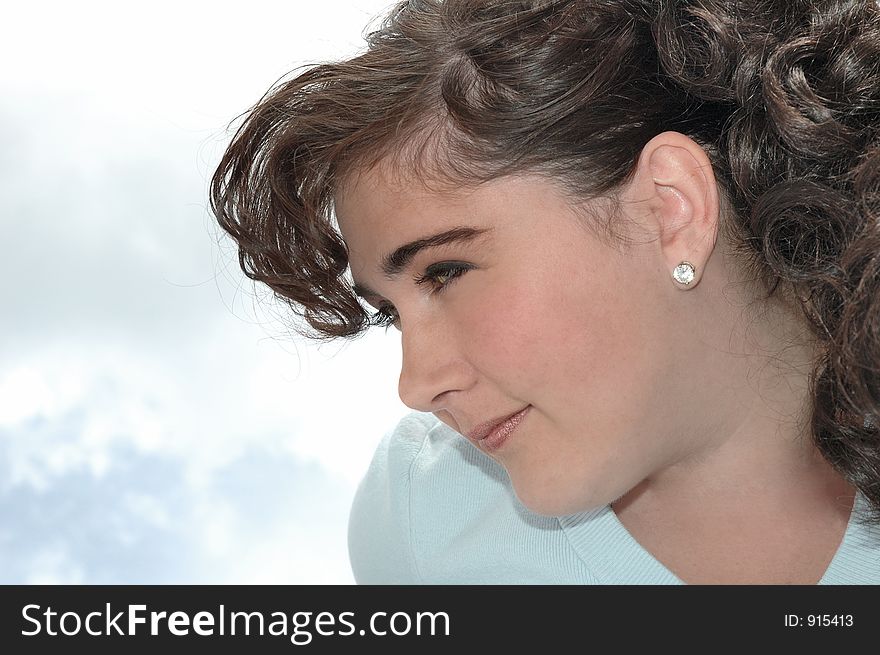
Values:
[(432, 509)]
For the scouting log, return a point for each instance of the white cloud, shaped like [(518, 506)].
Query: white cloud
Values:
[(155, 425), (52, 566)]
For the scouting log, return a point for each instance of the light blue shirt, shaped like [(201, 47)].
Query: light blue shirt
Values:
[(433, 509)]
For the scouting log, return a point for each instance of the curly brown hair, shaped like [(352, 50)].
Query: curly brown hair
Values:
[(783, 95)]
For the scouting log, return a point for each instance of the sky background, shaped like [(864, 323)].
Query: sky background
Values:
[(158, 422)]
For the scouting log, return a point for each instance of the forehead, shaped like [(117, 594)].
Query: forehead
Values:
[(381, 206), (377, 211), (382, 193)]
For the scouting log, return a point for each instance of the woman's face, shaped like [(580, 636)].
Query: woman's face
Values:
[(543, 315)]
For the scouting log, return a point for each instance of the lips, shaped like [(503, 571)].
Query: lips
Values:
[(483, 430)]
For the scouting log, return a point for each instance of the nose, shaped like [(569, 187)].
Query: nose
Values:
[(432, 365)]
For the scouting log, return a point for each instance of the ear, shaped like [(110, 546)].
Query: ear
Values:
[(675, 181)]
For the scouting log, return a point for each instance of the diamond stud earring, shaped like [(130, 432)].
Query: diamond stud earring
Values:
[(684, 273)]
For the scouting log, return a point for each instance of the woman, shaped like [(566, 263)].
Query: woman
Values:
[(633, 252)]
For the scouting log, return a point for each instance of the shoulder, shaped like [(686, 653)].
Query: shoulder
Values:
[(425, 487), (379, 525), (857, 561), (418, 443), (434, 509)]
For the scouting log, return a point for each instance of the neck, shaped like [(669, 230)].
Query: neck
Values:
[(754, 457)]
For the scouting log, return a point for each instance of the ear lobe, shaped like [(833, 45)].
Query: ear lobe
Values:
[(686, 209)]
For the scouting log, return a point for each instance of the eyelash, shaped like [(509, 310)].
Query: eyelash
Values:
[(384, 316)]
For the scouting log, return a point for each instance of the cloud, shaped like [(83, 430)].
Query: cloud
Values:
[(264, 517), (157, 424)]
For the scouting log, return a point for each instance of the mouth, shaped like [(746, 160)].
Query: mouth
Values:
[(491, 435)]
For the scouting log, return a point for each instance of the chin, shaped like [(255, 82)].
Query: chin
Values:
[(553, 501)]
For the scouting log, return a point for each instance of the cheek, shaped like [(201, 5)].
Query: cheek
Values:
[(584, 329), (569, 330), (506, 335), (600, 329), (575, 326)]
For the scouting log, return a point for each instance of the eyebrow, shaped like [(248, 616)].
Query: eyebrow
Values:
[(397, 261)]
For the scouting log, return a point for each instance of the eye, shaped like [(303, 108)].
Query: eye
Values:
[(440, 276)]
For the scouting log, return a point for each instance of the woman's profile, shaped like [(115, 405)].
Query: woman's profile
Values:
[(632, 249)]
